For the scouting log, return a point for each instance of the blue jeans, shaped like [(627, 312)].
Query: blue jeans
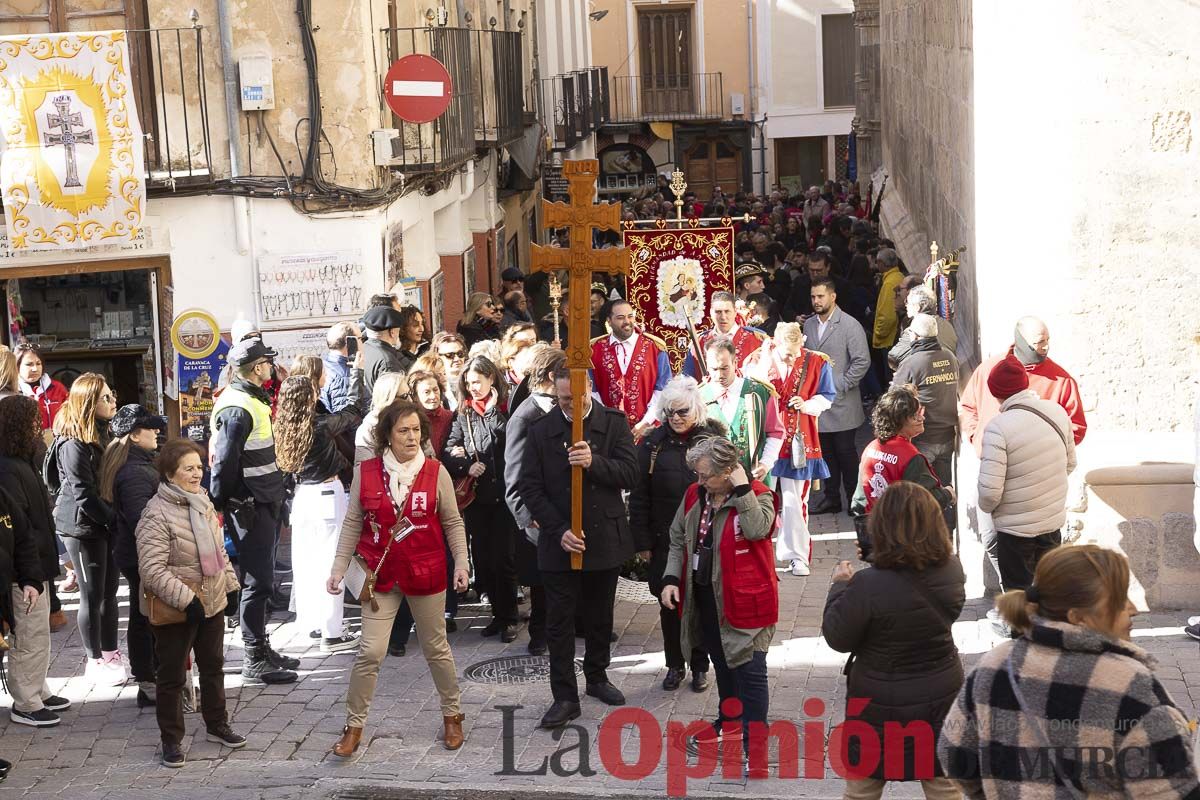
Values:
[(746, 682)]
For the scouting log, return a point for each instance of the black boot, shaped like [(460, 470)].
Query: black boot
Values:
[(279, 660), (257, 666)]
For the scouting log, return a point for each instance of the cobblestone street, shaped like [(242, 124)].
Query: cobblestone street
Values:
[(107, 748)]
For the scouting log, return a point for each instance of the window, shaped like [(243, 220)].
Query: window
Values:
[(665, 53), (45, 16), (837, 59)]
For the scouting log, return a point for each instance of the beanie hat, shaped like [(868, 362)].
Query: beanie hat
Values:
[(1007, 378)]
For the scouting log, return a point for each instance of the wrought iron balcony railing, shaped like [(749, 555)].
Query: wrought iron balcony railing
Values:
[(664, 98), (574, 105)]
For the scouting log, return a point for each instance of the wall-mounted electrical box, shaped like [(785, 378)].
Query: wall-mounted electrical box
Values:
[(737, 104), (258, 85)]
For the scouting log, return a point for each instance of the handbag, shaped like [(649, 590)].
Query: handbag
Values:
[(464, 488), (160, 612)]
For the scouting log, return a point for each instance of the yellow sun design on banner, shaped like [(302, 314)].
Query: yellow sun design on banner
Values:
[(96, 191)]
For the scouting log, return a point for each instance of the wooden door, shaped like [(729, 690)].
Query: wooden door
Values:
[(665, 50), (709, 163)]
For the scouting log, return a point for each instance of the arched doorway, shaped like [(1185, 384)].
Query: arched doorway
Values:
[(712, 162)]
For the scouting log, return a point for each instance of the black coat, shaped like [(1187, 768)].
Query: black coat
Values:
[(904, 659), (72, 472), (545, 486), (478, 331), (485, 442), (380, 357), (18, 555), (326, 457), (135, 483), (516, 441), (24, 487)]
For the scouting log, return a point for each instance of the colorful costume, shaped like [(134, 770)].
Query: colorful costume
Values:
[(633, 390)]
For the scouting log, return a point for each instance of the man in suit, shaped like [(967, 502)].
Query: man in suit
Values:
[(610, 464), (838, 335), (540, 401)]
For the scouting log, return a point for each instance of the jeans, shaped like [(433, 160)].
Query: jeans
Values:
[(256, 561), (1018, 556), (98, 581), (172, 643), (593, 594), (746, 682), (493, 532), (940, 456), (140, 636), (837, 447)]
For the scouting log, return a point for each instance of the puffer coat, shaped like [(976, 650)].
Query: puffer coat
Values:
[(167, 556), (1024, 467), (904, 658)]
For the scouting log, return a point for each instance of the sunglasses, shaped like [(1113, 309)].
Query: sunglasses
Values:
[(677, 412), (457, 355)]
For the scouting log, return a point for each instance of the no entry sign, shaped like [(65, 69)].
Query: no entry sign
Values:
[(417, 88)]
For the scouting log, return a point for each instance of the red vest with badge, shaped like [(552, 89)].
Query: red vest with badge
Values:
[(749, 585), (883, 464), (418, 564), (631, 392)]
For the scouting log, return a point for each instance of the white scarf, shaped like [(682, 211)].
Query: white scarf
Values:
[(401, 476)]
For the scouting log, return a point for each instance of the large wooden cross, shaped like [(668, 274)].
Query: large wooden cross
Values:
[(580, 260)]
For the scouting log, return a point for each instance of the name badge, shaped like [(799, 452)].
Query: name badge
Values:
[(402, 529)]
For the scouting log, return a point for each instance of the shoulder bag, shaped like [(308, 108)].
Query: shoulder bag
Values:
[(464, 488), (160, 612)]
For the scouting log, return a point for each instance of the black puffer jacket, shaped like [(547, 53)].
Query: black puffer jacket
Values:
[(18, 555), (135, 483), (21, 482), (72, 472), (485, 439), (904, 659), (325, 459)]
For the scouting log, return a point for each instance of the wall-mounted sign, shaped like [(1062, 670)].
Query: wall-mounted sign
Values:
[(303, 287), (200, 356)]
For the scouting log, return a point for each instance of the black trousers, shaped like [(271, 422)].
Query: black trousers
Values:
[(747, 682), (591, 594), (140, 635), (672, 625), (492, 531), (256, 563), (98, 581), (1017, 557), (172, 643), (837, 448)]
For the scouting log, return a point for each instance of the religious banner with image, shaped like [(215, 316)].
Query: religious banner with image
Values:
[(71, 152), (672, 277)]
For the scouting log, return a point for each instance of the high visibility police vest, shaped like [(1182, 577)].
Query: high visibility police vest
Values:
[(259, 470)]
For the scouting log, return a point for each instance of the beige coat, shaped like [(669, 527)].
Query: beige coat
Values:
[(1024, 467), (167, 556)]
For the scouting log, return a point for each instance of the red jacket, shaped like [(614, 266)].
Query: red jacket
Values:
[(418, 564), (49, 395)]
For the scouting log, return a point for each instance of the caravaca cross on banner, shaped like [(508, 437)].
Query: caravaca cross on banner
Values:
[(580, 260)]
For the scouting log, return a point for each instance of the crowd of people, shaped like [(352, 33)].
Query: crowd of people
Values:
[(414, 466)]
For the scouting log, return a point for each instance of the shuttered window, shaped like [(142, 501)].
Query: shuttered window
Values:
[(837, 59)]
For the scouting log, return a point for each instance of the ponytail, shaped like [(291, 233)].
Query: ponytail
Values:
[(1017, 610)]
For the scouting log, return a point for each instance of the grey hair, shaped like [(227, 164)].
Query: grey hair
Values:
[(682, 390), (721, 453), (722, 297), (921, 301), (888, 258), (337, 335), (719, 343), (924, 326)]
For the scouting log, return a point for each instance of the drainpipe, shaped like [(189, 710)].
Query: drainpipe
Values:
[(232, 129), (753, 95)]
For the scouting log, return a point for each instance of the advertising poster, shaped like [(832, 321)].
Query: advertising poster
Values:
[(200, 356)]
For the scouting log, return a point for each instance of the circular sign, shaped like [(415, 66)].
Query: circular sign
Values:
[(195, 334), (417, 88)]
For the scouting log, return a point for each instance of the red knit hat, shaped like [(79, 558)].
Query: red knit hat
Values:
[(1007, 378)]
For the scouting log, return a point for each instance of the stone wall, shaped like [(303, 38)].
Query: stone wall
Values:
[(926, 115)]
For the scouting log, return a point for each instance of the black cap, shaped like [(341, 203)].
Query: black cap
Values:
[(248, 351), (133, 417), (382, 318), (512, 274)]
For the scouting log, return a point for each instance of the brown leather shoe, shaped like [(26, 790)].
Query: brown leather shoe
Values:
[(58, 621), (452, 732), (346, 746)]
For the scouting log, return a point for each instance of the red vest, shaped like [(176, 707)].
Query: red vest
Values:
[(630, 393), (749, 585), (418, 564), (884, 464), (801, 382), (745, 342)]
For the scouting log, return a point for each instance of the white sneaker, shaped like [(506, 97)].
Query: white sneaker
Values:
[(107, 672), (799, 568), (1194, 620)]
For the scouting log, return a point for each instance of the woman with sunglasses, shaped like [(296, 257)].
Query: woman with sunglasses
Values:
[(85, 520), (481, 320)]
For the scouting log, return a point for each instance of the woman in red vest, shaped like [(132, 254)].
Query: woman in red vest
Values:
[(401, 495), (897, 419), (721, 574)]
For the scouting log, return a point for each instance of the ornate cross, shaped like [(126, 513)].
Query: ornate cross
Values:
[(67, 122), (580, 260)]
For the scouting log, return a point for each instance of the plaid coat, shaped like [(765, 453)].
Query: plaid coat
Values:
[(1110, 725)]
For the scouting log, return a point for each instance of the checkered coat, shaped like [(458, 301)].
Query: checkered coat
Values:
[(1115, 730)]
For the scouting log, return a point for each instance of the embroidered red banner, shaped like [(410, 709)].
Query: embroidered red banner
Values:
[(672, 277)]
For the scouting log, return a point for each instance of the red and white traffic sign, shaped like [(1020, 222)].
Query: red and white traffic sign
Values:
[(417, 88)]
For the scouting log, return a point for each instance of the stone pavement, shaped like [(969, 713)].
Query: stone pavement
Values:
[(107, 748)]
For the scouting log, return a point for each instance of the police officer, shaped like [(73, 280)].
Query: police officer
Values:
[(249, 488), (934, 371)]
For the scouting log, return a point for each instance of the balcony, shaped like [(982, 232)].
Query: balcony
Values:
[(448, 141), (168, 69), (498, 69), (696, 96), (574, 105)]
